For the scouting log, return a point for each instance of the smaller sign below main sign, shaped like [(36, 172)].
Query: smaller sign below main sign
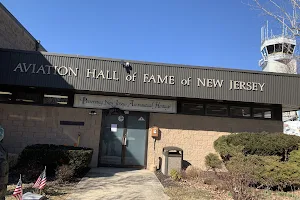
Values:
[(125, 103)]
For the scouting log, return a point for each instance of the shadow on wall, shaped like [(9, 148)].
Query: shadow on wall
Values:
[(35, 72), (34, 69)]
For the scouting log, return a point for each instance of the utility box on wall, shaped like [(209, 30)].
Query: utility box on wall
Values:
[(155, 132)]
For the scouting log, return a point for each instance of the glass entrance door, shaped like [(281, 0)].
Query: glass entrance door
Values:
[(136, 139), (112, 139), (123, 140)]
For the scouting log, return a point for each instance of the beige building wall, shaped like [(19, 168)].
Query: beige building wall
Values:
[(196, 134), (13, 35), (26, 125)]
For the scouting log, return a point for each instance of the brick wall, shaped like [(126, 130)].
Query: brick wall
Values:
[(25, 125), (13, 35), (196, 134)]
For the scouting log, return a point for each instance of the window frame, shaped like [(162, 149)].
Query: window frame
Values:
[(210, 104)]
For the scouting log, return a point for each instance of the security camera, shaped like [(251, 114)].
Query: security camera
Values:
[(127, 66)]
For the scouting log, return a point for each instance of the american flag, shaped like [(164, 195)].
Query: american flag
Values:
[(18, 192), (41, 181)]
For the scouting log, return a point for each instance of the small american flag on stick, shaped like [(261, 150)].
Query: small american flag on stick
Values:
[(41, 181), (18, 192)]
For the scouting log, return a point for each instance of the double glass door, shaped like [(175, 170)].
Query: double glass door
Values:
[(123, 139)]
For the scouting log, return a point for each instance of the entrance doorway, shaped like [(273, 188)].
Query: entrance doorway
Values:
[(123, 139)]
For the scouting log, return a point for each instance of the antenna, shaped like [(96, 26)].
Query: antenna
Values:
[(283, 27), (262, 34), (267, 29), (271, 33)]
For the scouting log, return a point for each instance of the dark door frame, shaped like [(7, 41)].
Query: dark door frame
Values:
[(123, 147)]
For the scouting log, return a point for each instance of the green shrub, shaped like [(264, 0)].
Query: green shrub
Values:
[(262, 144), (213, 162), (53, 156), (267, 171), (175, 175), (295, 157), (64, 173)]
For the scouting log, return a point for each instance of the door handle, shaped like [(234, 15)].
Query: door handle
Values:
[(125, 141)]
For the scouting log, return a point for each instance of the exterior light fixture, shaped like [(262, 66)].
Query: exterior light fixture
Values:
[(93, 112), (127, 66)]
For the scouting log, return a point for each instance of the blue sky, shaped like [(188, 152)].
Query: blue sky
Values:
[(214, 33)]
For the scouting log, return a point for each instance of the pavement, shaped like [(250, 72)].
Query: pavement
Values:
[(120, 184)]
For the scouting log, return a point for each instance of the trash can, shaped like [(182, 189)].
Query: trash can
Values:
[(172, 159)]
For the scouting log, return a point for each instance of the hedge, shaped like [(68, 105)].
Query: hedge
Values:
[(262, 144), (267, 159), (53, 156)]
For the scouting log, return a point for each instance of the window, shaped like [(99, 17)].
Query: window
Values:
[(55, 99), (278, 48), (270, 49), (288, 48), (262, 113), (217, 110), (237, 111), (28, 97), (5, 96), (192, 108), (264, 52)]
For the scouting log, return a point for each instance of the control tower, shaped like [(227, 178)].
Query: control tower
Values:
[(277, 52)]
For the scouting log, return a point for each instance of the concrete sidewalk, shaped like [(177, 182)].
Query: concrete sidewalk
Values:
[(119, 184)]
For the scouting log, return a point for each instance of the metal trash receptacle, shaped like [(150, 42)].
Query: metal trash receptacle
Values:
[(172, 159)]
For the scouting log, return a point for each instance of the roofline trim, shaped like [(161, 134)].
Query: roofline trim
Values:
[(155, 63)]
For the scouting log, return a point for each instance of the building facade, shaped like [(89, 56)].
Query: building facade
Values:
[(13, 35), (113, 106)]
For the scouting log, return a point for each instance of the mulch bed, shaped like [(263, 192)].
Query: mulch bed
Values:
[(166, 181)]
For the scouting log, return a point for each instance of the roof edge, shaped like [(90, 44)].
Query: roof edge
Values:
[(20, 25), (154, 63)]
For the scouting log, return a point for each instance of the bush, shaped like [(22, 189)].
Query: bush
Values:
[(261, 159), (175, 175), (266, 171), (64, 173), (280, 174), (12, 160), (53, 156), (262, 144), (192, 172), (242, 173), (213, 162)]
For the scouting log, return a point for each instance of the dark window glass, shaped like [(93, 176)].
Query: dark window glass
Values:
[(262, 113), (217, 110), (5, 96), (278, 48), (192, 108), (236, 111), (288, 48), (28, 97), (270, 49), (55, 99)]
